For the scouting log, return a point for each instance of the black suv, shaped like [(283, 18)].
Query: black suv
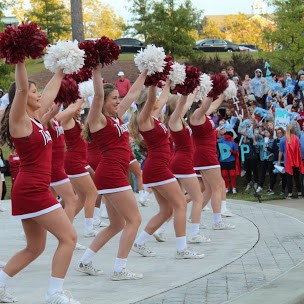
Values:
[(216, 45), (129, 45)]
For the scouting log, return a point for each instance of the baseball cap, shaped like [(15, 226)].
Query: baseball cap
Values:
[(120, 73)]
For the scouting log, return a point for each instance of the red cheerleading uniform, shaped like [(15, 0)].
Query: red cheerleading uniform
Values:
[(31, 195), (204, 140), (14, 162), (156, 170), (94, 155), (111, 174), (58, 176), (181, 164), (76, 155)]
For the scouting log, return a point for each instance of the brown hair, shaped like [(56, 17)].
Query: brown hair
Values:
[(289, 130), (4, 128)]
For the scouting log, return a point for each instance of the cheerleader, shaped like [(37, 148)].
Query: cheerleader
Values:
[(181, 164), (105, 127), (76, 165), (157, 175), (205, 157), (32, 200)]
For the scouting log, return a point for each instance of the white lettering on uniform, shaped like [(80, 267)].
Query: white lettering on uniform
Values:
[(121, 129), (46, 136), (59, 131), (190, 130), (163, 127)]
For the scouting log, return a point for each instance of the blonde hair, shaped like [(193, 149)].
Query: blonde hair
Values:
[(289, 130)]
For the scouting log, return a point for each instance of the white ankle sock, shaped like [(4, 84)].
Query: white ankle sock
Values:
[(56, 285), (96, 212), (87, 256), (194, 229), (88, 224), (4, 278), (217, 218), (181, 243), (142, 238), (120, 264)]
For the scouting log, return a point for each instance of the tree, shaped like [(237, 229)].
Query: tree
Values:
[(211, 29), (101, 20), (288, 35), (167, 24), (77, 20), (52, 16)]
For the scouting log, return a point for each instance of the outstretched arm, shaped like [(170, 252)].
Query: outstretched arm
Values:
[(20, 124), (215, 104), (163, 98), (50, 92), (175, 122), (96, 119), (51, 113), (132, 94), (66, 115)]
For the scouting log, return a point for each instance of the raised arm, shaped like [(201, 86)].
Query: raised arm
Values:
[(215, 104), (175, 122), (51, 113), (19, 122), (96, 119), (132, 94), (145, 121), (198, 116), (50, 92), (163, 98), (66, 115)]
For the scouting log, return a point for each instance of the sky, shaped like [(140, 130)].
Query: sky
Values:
[(210, 7)]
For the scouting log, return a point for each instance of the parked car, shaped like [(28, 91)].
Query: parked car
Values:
[(129, 45), (216, 45), (250, 47)]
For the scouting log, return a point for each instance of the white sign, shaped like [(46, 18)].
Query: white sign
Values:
[(281, 118)]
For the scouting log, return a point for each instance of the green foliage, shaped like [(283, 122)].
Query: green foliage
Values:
[(288, 36), (6, 75), (166, 24), (52, 16)]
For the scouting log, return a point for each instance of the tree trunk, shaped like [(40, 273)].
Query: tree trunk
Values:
[(77, 21)]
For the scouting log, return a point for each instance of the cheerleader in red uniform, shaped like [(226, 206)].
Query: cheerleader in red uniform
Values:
[(76, 164), (32, 200), (111, 176), (181, 164), (157, 175), (205, 158)]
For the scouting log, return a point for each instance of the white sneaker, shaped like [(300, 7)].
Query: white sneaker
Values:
[(198, 238), (159, 236), (227, 190), (227, 213), (143, 201), (248, 187), (103, 224), (143, 250), (80, 247), (96, 222), (2, 209), (90, 233), (126, 274), (223, 226), (6, 297), (60, 298), (259, 189), (188, 254), (2, 264), (88, 269), (234, 191)]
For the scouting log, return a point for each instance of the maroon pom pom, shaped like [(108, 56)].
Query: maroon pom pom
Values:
[(23, 41), (191, 82), (82, 75), (157, 77), (103, 50), (220, 84), (68, 92)]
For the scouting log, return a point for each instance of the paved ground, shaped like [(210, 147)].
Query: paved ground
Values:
[(260, 261)]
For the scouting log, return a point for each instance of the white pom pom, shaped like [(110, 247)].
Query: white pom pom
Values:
[(151, 58), (177, 74), (86, 89), (231, 91), (65, 55), (204, 88)]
